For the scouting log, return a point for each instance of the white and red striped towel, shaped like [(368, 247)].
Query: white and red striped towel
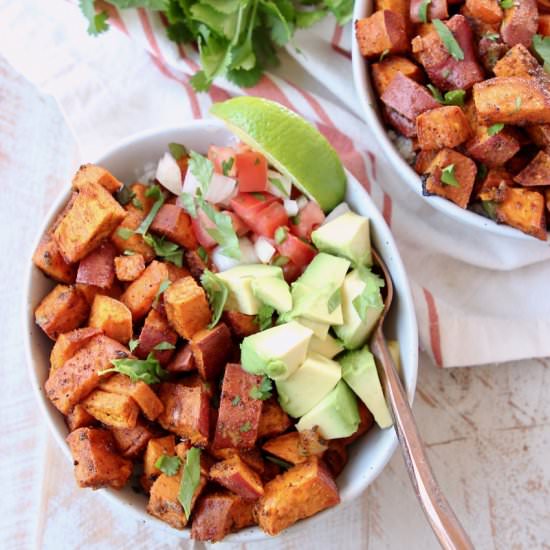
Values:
[(480, 298)]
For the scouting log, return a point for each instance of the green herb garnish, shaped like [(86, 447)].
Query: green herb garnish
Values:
[(452, 97), (133, 344), (279, 185), (203, 255), (383, 55), (169, 251), (246, 427), (202, 168), (217, 293), (506, 4), (124, 233), (541, 45), (144, 370), (168, 465), (227, 165), (423, 10), (177, 150), (448, 39), (495, 128), (190, 479), (448, 176), (188, 202), (263, 390), (152, 192), (162, 287), (236, 400), (163, 346), (224, 233), (280, 235)]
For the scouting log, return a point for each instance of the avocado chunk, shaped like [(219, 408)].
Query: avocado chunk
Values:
[(329, 347), (362, 306), (276, 352), (273, 292), (359, 371), (347, 235), (239, 282), (314, 379), (336, 414), (319, 329)]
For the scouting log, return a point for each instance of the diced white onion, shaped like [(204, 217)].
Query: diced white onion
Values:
[(227, 201), (342, 208), (220, 188), (248, 256), (169, 174), (264, 250), (190, 183), (291, 207), (302, 201), (248, 253), (274, 189)]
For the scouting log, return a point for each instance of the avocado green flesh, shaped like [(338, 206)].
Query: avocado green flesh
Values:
[(329, 347), (273, 292), (320, 330)]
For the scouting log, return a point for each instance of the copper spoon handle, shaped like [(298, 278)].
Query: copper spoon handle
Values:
[(444, 523)]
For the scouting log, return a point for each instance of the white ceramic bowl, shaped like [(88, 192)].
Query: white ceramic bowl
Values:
[(126, 161), (369, 103)]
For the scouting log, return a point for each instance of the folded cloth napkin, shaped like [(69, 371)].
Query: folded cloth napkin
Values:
[(479, 297)]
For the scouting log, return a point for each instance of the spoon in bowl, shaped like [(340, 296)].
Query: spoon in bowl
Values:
[(444, 523)]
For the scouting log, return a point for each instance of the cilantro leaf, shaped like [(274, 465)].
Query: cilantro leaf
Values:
[(217, 292), (383, 55), (341, 9), (423, 10), (224, 233), (163, 346), (145, 370), (124, 233), (541, 45), (203, 255), (370, 296), (305, 19), (279, 185), (452, 97), (188, 202), (169, 251), (236, 400), (168, 465), (162, 287), (227, 165), (264, 319), (155, 5), (190, 479), (437, 95), (281, 234), (177, 150), (133, 344), (495, 129), (97, 22), (448, 176), (506, 4), (124, 195), (246, 427), (154, 192), (448, 39), (263, 390), (492, 36), (202, 168)]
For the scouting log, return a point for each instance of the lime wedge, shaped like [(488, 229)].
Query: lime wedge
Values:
[(290, 144)]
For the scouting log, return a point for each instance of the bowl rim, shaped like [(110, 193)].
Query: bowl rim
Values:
[(369, 101), (252, 533)]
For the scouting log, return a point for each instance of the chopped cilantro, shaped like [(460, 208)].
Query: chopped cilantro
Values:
[(448, 176), (423, 10), (263, 390), (190, 479), (448, 39), (177, 150), (281, 235), (217, 293), (169, 251), (168, 465), (144, 370), (246, 427), (495, 129)]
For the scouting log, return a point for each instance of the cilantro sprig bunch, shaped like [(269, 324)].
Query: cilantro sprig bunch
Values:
[(237, 39)]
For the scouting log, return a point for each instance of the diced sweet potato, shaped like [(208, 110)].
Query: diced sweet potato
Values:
[(540, 135), (112, 317), (61, 310), (365, 424), (536, 173), (132, 242), (397, 6), (239, 478), (544, 25), (464, 172), (273, 420), (79, 417), (251, 457), (139, 391), (182, 362), (96, 462), (155, 449), (211, 349), (243, 513), (446, 72), (239, 413), (512, 100), (78, 376), (445, 126), (140, 204), (518, 61), (494, 179), (187, 307), (520, 23), (112, 409), (68, 344), (423, 161), (195, 264), (296, 447), (98, 267), (384, 71), (490, 51), (129, 268), (90, 292), (156, 330), (93, 216), (131, 442), (91, 173), (524, 210), (241, 325), (49, 259), (299, 493), (186, 412), (382, 31), (492, 150), (488, 11), (175, 224), (407, 97), (336, 457), (436, 9), (402, 124)]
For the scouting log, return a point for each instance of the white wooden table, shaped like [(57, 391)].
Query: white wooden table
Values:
[(487, 428)]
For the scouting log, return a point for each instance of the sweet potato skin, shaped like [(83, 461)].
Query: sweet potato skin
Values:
[(495, 150), (211, 349), (112, 317), (238, 477), (91, 173), (98, 267), (520, 23), (131, 442), (195, 264), (536, 173), (437, 9), (241, 325), (402, 124), (48, 258), (273, 420), (544, 25), (62, 310), (156, 329), (540, 135), (383, 30), (68, 343), (384, 71), (129, 268), (182, 362), (96, 462), (300, 492), (336, 457), (445, 126), (156, 447), (112, 409), (174, 223)]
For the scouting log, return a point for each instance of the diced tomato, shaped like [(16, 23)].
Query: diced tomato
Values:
[(291, 271), (296, 250), (269, 219), (238, 225), (220, 155), (310, 218), (200, 224), (251, 172), (248, 205), (260, 211)]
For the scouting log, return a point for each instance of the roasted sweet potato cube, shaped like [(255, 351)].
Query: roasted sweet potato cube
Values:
[(112, 317), (96, 462), (182, 362), (512, 100), (496, 177), (112, 409), (241, 325), (402, 124), (299, 493), (211, 349), (540, 135), (382, 31), (61, 310), (423, 161), (79, 417), (397, 6), (523, 209), (238, 477), (336, 457), (488, 11), (155, 449), (536, 173), (98, 267), (90, 292), (187, 307), (464, 170), (49, 259), (544, 25), (251, 457), (129, 268), (296, 447), (384, 71), (91, 173), (520, 23), (407, 97), (139, 391), (490, 51), (78, 376), (140, 203), (175, 224), (195, 264), (125, 240), (156, 331), (243, 513), (131, 442), (186, 412), (436, 9), (273, 420), (518, 61), (445, 126), (239, 413), (93, 216), (68, 344), (492, 150)]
